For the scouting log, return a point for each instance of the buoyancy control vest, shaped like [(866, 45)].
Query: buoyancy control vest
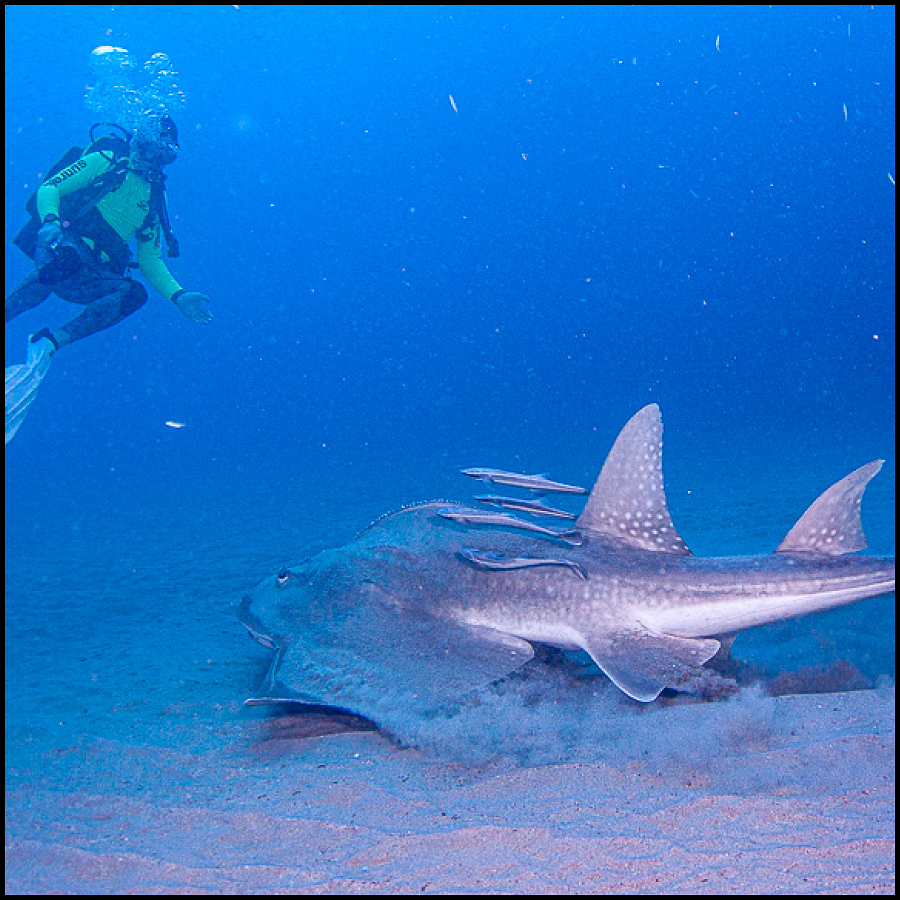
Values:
[(78, 211)]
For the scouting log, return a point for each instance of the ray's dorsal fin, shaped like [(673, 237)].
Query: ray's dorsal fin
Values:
[(628, 501), (832, 524)]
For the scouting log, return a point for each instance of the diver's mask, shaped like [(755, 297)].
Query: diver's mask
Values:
[(159, 148)]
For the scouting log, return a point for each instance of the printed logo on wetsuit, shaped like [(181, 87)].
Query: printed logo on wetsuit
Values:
[(60, 177)]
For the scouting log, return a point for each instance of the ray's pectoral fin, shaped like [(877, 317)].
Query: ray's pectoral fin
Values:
[(382, 654), (642, 663)]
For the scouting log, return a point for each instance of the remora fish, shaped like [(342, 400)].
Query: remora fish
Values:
[(497, 562), (534, 507), (469, 515), (529, 482), (395, 620)]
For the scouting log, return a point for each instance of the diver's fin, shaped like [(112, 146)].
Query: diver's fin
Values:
[(832, 524), (22, 382)]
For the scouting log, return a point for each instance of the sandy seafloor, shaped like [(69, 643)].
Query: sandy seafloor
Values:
[(132, 766)]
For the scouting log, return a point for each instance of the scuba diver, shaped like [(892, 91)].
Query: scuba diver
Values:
[(84, 259), (83, 217)]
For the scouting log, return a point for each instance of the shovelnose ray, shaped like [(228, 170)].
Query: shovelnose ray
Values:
[(400, 620), (529, 482)]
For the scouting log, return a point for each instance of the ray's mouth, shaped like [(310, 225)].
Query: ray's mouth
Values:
[(252, 623)]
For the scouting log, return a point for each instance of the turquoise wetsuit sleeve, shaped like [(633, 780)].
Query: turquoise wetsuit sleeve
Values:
[(73, 178), (149, 257)]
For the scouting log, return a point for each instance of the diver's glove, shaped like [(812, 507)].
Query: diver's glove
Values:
[(193, 305), (48, 237)]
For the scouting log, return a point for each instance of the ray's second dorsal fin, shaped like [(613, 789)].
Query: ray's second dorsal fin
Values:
[(628, 501), (832, 524)]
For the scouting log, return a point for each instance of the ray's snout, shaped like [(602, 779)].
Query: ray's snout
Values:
[(254, 625)]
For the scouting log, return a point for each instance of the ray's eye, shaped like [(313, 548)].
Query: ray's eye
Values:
[(284, 576)]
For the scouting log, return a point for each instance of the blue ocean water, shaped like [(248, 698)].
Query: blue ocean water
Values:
[(627, 205), (437, 237)]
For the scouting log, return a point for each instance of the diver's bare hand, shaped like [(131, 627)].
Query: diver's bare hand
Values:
[(194, 306)]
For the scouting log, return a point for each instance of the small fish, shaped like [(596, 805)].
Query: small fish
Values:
[(453, 103), (845, 112), (468, 515), (529, 482), (710, 89), (492, 561), (172, 424), (535, 507), (717, 44)]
